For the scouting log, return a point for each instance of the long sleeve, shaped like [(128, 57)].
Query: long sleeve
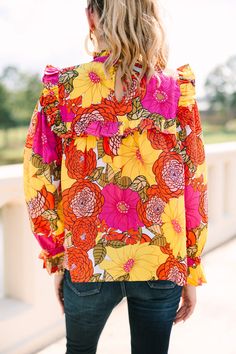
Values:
[(195, 169), (41, 174)]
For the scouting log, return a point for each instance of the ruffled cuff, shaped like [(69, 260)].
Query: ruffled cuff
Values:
[(196, 275), (186, 81), (53, 264)]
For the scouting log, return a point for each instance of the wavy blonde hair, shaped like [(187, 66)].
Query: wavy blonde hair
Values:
[(133, 31)]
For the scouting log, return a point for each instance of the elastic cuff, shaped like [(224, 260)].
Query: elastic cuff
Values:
[(54, 263), (196, 275)]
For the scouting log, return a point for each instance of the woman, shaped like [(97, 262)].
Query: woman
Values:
[(115, 181)]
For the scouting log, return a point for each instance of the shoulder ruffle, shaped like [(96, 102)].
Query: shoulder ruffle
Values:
[(66, 124), (51, 75), (186, 81), (51, 102)]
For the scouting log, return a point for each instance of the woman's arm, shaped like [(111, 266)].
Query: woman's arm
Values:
[(41, 171), (196, 193)]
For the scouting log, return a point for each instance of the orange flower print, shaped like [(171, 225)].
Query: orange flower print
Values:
[(43, 201), (191, 238), (84, 234), (79, 164), (119, 108), (131, 237), (161, 141), (194, 148), (150, 211), (145, 238), (186, 115), (83, 199), (172, 270), (169, 173), (80, 266), (41, 225)]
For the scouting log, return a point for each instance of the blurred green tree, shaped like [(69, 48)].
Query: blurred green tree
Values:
[(22, 92), (220, 88), (6, 120)]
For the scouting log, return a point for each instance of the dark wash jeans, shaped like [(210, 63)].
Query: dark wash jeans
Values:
[(152, 306)]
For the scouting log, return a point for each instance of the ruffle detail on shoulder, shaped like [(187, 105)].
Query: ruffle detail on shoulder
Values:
[(186, 81), (50, 101), (51, 75)]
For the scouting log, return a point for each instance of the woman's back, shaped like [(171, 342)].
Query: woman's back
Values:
[(115, 181), (118, 170)]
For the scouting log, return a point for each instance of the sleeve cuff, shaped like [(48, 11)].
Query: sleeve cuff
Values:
[(196, 275), (53, 264)]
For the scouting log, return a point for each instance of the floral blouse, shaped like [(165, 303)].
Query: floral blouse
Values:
[(117, 190)]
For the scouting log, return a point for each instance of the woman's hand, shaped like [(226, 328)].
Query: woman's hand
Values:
[(189, 299), (58, 284)]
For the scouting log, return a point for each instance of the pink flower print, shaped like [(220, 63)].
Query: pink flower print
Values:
[(45, 140), (51, 74), (162, 100), (193, 217), (119, 209), (98, 128), (48, 244), (66, 114)]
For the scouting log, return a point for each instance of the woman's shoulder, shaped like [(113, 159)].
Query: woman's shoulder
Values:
[(183, 72)]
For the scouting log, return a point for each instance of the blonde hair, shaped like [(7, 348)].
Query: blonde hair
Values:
[(133, 31)]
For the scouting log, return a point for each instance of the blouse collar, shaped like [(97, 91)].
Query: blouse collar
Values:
[(101, 53)]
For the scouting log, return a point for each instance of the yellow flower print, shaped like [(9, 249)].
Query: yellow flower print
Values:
[(66, 181), (92, 84), (197, 275), (136, 157), (31, 184), (202, 170), (87, 142), (201, 241), (187, 95), (174, 225), (139, 261), (126, 123)]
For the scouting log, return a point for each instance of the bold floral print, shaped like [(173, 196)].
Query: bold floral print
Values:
[(132, 262), (91, 84), (169, 173), (163, 98), (84, 234), (172, 270), (79, 163), (119, 209), (174, 225), (136, 157), (79, 264), (117, 190), (161, 141)]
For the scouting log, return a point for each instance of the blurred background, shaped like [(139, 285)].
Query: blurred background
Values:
[(37, 33)]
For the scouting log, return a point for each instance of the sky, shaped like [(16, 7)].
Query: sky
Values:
[(40, 32)]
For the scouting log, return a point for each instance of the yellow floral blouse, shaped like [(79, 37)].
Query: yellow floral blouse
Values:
[(117, 190)]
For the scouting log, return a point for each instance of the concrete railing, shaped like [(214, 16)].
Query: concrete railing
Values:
[(30, 316)]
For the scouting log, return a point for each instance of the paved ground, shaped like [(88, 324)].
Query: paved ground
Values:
[(210, 329)]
